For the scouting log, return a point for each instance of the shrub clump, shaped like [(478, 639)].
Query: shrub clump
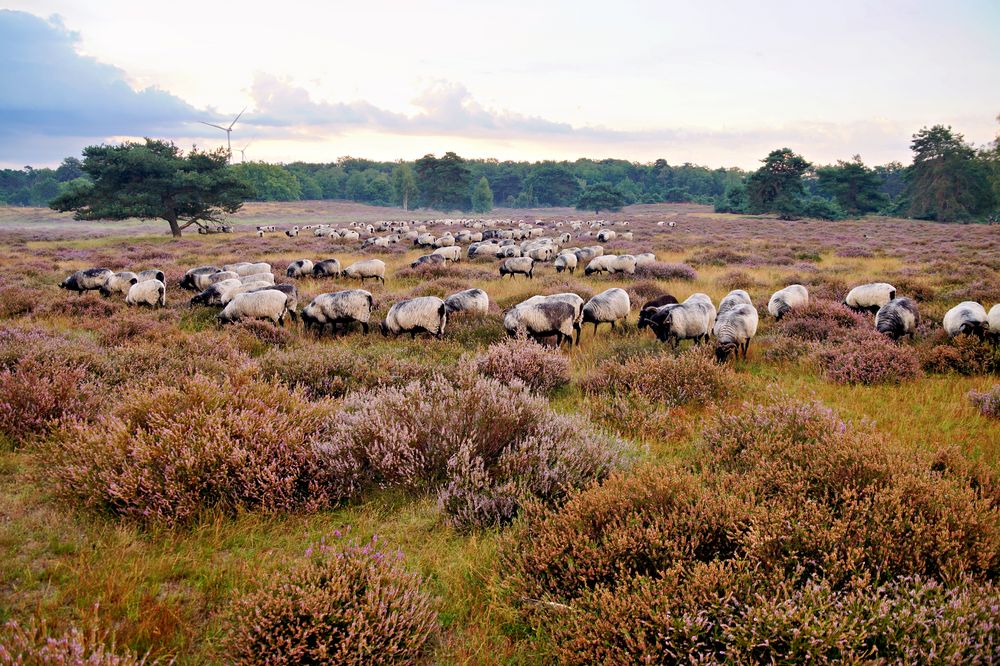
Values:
[(658, 270), (526, 361), (964, 354), (868, 359), (819, 320), (987, 402), (35, 645), (319, 370), (690, 377), (344, 604), (166, 454)]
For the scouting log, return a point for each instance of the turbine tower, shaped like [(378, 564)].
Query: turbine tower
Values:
[(243, 152), (227, 130)]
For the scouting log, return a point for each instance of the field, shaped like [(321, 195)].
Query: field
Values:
[(168, 586)]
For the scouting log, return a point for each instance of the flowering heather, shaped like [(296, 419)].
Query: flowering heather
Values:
[(35, 645), (964, 354), (987, 402), (691, 377), (35, 396), (868, 358), (344, 604), (736, 280), (819, 320), (658, 270), (525, 361), (255, 333)]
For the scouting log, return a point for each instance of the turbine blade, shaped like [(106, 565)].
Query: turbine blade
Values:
[(237, 117), (213, 125)]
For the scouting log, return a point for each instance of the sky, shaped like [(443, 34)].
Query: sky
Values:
[(715, 83)]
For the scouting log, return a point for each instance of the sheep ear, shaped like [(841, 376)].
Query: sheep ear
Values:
[(134, 281)]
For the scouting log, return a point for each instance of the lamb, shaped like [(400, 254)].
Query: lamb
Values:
[(326, 268), (368, 269), (967, 317), (151, 274), (540, 320), (470, 300), (267, 304), (299, 269), (734, 329), (151, 292), (426, 314), (870, 297), (517, 265), (257, 277), (650, 307), (897, 318), (566, 262), (993, 319), (791, 297), (734, 299), (608, 306), (88, 279), (119, 283), (341, 307), (693, 319), (215, 293), (451, 252)]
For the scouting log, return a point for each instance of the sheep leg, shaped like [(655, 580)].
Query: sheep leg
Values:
[(364, 327)]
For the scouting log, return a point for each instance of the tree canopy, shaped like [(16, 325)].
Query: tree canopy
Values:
[(482, 197), (154, 180), (947, 181), (854, 186), (777, 186), (443, 183), (600, 196)]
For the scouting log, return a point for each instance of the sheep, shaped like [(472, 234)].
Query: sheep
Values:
[(600, 264), (606, 235), (540, 253), (236, 267), (424, 240), (188, 281), (151, 292), (292, 233), (540, 320), (791, 297), (870, 297), (511, 251), (451, 252), (244, 287), (267, 304), (897, 318), (650, 307), (258, 277), (993, 319), (428, 260), (693, 319), (733, 330), (470, 300), (514, 265), (119, 283), (625, 235), (566, 262), (215, 293), (444, 241), (484, 249), (734, 299), (88, 279), (326, 268), (248, 268), (587, 254), (289, 290), (645, 259), (426, 314), (967, 317), (608, 306), (368, 269), (624, 263), (566, 297), (341, 307), (299, 269), (151, 274)]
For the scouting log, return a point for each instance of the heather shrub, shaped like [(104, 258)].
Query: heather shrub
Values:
[(36, 645), (35, 396), (819, 320), (690, 377), (641, 292), (89, 304), (658, 270), (318, 370), (343, 604), (868, 358), (964, 354), (17, 301), (167, 453), (256, 336), (736, 280), (482, 445), (987, 402), (783, 349), (539, 368)]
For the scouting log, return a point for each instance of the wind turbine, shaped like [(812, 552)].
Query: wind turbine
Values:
[(243, 152), (227, 130)]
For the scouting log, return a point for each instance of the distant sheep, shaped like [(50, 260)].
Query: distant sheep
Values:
[(517, 266), (967, 317), (326, 268), (566, 262), (451, 252), (426, 314), (151, 292), (733, 330), (609, 306), (368, 269), (787, 299), (119, 283), (870, 297), (733, 299), (339, 308), (90, 279), (470, 300), (541, 320), (897, 318), (267, 304), (299, 269)]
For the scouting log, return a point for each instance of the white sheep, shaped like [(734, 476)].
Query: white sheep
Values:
[(267, 304), (870, 297), (606, 235), (299, 269), (566, 261), (367, 269), (119, 283), (517, 265), (257, 277), (339, 308), (967, 317), (216, 294), (451, 252), (791, 297), (645, 259), (897, 318), (540, 320), (565, 297), (733, 330), (734, 299), (470, 300), (609, 306), (151, 274), (151, 292), (426, 314), (693, 319), (993, 319)]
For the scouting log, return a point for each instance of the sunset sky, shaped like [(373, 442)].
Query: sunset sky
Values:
[(718, 84)]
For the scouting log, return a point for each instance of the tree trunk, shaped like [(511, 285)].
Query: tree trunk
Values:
[(406, 199), (175, 230)]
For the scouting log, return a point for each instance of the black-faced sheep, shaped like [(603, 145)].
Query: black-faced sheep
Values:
[(566, 261), (151, 292), (426, 314), (789, 298), (326, 268), (89, 279), (609, 306), (733, 330), (967, 317), (517, 265), (267, 304), (470, 300), (216, 294), (691, 320), (299, 269), (339, 308), (541, 320), (897, 318), (870, 297), (119, 283), (650, 307), (368, 269)]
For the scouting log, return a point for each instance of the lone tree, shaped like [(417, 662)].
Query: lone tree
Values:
[(600, 196), (482, 197), (948, 181), (777, 187), (404, 183), (155, 180)]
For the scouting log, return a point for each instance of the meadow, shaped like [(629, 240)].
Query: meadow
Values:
[(115, 520)]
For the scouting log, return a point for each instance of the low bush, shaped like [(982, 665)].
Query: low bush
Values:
[(35, 396), (36, 645), (256, 336), (537, 367), (690, 377), (344, 604), (737, 280), (964, 354), (318, 370), (819, 320), (868, 358), (987, 402), (658, 270)]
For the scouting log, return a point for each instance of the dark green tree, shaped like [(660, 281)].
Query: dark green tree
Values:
[(404, 185), (600, 196), (70, 169), (554, 185), (776, 187), (482, 197), (269, 182), (155, 180), (443, 183), (892, 181), (855, 187), (948, 181)]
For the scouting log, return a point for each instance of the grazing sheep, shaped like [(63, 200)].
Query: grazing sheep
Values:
[(543, 253), (299, 269), (993, 319), (897, 318), (606, 235), (600, 264), (510, 251), (484, 249), (967, 317), (151, 292), (326, 268), (119, 283), (424, 240), (517, 265), (292, 233), (216, 293), (645, 259), (451, 252), (541, 320), (368, 269), (426, 314), (566, 297), (151, 274), (248, 268), (870, 297), (237, 266), (791, 297), (245, 287), (257, 277), (428, 260), (734, 299), (607, 307), (86, 280), (444, 241), (691, 320), (339, 308), (189, 279), (290, 292), (566, 262), (733, 330), (470, 300), (624, 263), (266, 304), (650, 307)]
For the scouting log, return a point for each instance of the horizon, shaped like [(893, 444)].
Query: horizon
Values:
[(541, 83)]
